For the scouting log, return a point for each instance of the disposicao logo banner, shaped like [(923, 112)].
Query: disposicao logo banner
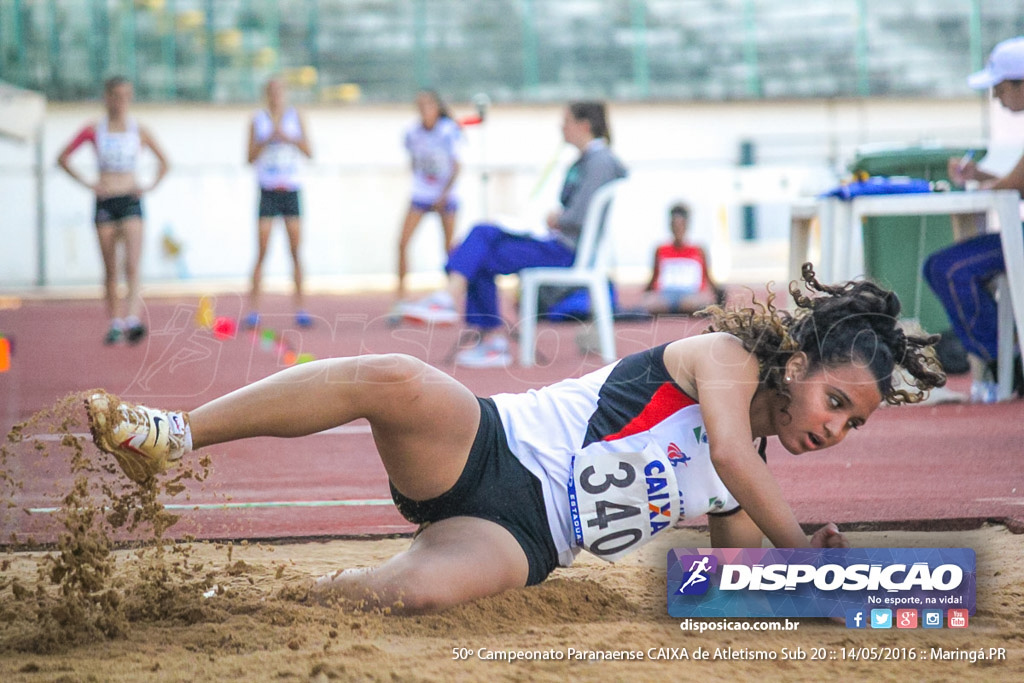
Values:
[(817, 582)]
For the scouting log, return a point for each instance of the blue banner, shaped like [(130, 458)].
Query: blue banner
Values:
[(818, 582)]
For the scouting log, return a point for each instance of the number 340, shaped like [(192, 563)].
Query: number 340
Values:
[(609, 512)]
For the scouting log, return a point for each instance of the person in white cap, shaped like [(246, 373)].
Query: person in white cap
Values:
[(962, 274), (1004, 74)]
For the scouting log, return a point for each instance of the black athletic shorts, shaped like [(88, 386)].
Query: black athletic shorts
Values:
[(113, 209), (497, 487), (279, 203)]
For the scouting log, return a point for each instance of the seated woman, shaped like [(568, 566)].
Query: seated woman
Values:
[(489, 479)]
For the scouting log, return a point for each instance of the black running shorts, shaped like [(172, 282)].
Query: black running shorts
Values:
[(279, 203), (113, 209), (497, 487)]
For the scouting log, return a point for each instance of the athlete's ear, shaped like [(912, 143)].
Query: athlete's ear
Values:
[(796, 366)]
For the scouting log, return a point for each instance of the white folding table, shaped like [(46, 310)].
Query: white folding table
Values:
[(842, 255)]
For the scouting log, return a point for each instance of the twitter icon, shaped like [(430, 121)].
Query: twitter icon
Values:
[(881, 618)]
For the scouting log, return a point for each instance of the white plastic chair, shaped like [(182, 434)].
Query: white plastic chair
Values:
[(1004, 349), (589, 269)]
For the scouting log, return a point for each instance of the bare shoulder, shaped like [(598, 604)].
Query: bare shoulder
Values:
[(717, 357), (720, 347)]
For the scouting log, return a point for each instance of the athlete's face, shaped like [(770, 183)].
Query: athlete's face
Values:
[(825, 404), (576, 131), (275, 94), (1010, 94), (429, 109), (117, 99), (679, 224)]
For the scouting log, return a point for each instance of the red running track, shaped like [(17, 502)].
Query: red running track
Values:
[(929, 466)]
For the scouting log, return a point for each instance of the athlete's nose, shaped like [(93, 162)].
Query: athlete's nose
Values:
[(833, 434), (835, 429)]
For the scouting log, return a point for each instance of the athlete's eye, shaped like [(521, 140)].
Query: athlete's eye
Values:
[(834, 402)]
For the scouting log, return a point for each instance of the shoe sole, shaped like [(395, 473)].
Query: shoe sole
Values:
[(101, 408)]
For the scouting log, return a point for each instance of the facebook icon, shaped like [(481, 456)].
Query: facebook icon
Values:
[(855, 618)]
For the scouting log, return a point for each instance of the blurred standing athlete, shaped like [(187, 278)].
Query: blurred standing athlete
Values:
[(118, 139), (433, 143), (276, 138)]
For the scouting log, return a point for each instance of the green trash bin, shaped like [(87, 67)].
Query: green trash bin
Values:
[(895, 247)]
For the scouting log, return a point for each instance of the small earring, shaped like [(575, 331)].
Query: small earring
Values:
[(788, 379)]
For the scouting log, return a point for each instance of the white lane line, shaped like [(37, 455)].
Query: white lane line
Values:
[(343, 430), (259, 504)]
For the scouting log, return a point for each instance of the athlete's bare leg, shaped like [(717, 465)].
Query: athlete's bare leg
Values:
[(423, 421), (450, 562), (424, 424), (108, 238), (412, 220), (132, 230), (263, 227), (448, 227), (293, 225)]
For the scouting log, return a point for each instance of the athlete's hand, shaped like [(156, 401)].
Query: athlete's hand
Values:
[(829, 536), (960, 172), (280, 136)]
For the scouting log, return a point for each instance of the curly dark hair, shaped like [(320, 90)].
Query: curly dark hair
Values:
[(852, 322)]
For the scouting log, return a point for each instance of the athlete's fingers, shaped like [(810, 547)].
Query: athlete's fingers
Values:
[(829, 536), (833, 537), (837, 540)]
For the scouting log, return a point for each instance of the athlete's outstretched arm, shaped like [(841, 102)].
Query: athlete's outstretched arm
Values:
[(724, 377), (162, 165)]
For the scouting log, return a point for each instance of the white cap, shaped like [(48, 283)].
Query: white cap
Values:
[(1004, 64)]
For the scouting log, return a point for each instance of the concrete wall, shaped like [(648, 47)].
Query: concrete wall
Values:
[(356, 188)]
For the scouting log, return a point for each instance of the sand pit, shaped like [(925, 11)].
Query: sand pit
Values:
[(259, 625), (97, 608)]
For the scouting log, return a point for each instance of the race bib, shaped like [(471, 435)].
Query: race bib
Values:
[(117, 152), (279, 158), (681, 275), (432, 164), (619, 501)]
